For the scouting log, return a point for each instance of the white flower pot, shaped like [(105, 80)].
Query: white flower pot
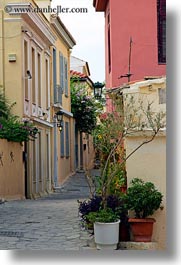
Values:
[(106, 235)]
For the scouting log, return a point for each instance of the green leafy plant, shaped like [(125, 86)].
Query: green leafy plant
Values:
[(143, 198), (11, 128), (14, 130), (103, 215), (84, 108)]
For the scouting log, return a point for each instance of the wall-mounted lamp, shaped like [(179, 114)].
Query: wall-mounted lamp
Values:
[(59, 116), (98, 90), (28, 76)]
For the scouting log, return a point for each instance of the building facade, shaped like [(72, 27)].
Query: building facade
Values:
[(34, 72), (135, 39), (63, 141)]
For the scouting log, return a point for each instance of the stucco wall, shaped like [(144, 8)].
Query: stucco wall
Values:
[(138, 20), (11, 170), (149, 163)]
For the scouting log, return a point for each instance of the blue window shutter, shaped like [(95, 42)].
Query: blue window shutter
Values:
[(62, 143), (66, 76), (61, 71), (67, 139), (55, 76), (61, 76)]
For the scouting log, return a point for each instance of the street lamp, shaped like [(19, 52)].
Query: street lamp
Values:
[(59, 116), (98, 90)]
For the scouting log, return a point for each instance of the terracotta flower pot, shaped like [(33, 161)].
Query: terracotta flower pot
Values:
[(123, 188), (141, 229)]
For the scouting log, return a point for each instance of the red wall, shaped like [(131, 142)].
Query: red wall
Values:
[(138, 19)]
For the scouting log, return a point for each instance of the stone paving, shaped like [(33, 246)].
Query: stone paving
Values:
[(50, 222)]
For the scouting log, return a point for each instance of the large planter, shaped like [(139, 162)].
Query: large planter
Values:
[(106, 235), (141, 229)]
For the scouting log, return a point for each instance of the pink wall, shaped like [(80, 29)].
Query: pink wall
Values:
[(139, 20)]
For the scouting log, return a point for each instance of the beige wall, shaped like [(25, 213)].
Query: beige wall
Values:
[(11, 170), (149, 164), (88, 152)]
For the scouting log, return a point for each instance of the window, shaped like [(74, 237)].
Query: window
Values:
[(63, 75), (47, 157), (55, 75), (162, 95), (67, 139), (39, 79), (66, 77), (161, 18), (47, 82), (26, 67), (61, 88), (33, 88), (62, 144)]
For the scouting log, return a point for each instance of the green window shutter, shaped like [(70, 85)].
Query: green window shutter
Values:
[(67, 139), (62, 143), (66, 76)]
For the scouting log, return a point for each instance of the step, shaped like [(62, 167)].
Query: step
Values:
[(129, 245)]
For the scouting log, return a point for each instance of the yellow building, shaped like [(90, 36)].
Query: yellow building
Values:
[(63, 143), (34, 72)]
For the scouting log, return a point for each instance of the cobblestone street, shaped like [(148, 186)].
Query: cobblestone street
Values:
[(49, 223)]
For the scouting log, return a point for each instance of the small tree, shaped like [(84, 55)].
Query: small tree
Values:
[(130, 116), (84, 108)]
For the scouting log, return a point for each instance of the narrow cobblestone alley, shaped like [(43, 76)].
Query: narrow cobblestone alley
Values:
[(50, 222)]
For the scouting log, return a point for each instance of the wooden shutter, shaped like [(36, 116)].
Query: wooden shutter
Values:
[(66, 76), (55, 76), (67, 139), (62, 143), (60, 90)]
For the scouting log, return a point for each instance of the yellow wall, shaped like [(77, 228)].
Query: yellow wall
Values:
[(12, 70), (65, 164), (11, 170)]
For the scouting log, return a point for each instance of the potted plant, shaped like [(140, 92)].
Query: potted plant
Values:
[(91, 211), (109, 136), (144, 199), (106, 228)]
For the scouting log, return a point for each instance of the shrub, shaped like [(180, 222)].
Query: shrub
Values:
[(143, 198)]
